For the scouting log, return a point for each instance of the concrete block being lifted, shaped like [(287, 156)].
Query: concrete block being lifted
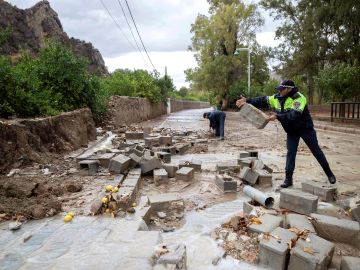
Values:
[(256, 117), (119, 164)]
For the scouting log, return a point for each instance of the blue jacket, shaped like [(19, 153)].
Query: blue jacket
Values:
[(214, 118), (291, 110)]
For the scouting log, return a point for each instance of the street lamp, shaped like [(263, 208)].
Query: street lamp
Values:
[(237, 53)]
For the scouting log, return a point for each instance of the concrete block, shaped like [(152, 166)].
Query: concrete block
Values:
[(274, 253), (318, 260), (249, 175), (131, 135), (164, 201), (300, 222), (268, 169), (119, 164), (243, 154), (152, 141), (164, 156), (132, 181), (175, 257), (349, 263), (265, 178), (337, 229), (135, 171), (166, 140), (170, 168), (268, 224), (325, 192), (135, 160), (256, 117), (136, 152), (185, 174), (193, 163), (257, 165), (119, 179), (125, 197), (160, 177), (167, 149), (89, 167), (253, 153), (245, 162), (104, 159), (182, 148), (247, 208), (226, 183), (227, 166), (200, 141), (298, 201), (148, 165), (355, 211)]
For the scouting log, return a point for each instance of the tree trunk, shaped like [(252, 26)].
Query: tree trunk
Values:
[(310, 83), (225, 102)]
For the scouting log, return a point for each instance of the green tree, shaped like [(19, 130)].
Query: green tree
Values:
[(215, 40), (183, 91), (341, 82), (316, 33)]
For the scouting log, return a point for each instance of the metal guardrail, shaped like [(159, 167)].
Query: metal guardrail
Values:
[(345, 111)]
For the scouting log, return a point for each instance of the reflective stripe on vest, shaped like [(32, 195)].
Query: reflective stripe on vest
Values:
[(298, 103)]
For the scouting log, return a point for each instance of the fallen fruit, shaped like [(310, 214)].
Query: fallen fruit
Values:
[(134, 205), (115, 189), (107, 210), (72, 214), (104, 200), (68, 218), (108, 188)]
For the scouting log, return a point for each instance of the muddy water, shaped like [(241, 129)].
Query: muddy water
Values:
[(200, 247)]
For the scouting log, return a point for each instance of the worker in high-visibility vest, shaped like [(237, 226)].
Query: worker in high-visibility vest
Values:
[(290, 108)]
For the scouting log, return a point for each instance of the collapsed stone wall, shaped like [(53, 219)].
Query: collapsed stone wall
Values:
[(23, 141), (178, 105)]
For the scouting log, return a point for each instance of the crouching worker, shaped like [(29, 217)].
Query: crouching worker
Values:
[(291, 110), (217, 122)]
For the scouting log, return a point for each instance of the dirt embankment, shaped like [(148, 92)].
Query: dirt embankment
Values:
[(34, 140)]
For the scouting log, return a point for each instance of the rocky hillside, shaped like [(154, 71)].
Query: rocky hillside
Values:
[(30, 28)]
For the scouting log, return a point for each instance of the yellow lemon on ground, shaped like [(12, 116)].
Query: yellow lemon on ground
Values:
[(115, 189), (104, 200), (107, 210), (68, 218), (72, 214), (108, 188), (134, 205)]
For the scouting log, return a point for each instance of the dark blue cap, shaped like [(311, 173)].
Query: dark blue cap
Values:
[(285, 84)]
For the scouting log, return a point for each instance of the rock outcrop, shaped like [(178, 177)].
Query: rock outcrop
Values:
[(30, 28)]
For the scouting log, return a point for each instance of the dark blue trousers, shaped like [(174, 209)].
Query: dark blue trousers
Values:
[(219, 129), (309, 137)]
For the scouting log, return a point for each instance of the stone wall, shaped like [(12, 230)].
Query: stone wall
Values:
[(127, 110), (23, 141), (124, 110), (178, 105)]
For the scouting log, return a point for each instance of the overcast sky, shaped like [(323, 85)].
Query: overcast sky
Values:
[(164, 26)]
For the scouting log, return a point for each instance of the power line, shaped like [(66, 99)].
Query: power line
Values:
[(118, 26), (139, 34), (132, 32)]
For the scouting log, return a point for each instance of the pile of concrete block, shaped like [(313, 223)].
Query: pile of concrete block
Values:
[(253, 170)]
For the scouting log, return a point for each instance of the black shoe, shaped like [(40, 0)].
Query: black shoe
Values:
[(332, 178), (286, 184), (288, 180)]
